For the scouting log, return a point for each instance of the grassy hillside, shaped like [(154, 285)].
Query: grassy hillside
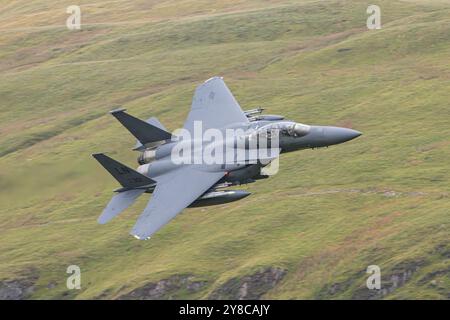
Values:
[(310, 231)]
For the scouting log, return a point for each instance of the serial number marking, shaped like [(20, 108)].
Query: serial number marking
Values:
[(248, 309)]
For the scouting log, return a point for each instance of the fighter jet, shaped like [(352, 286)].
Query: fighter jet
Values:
[(177, 177)]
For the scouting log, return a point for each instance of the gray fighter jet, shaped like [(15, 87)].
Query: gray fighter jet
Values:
[(179, 183)]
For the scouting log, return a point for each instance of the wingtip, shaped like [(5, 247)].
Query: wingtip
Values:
[(213, 78), (140, 238), (95, 155), (117, 110), (101, 221)]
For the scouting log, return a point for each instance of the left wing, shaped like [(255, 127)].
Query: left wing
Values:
[(174, 192)]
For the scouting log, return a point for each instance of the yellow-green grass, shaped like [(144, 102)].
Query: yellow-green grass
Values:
[(328, 214)]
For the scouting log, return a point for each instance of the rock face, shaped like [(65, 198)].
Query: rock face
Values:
[(396, 278), (250, 287), (170, 288), (16, 289), (399, 276)]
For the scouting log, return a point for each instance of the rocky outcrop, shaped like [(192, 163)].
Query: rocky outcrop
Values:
[(16, 289), (170, 288), (398, 276), (250, 287)]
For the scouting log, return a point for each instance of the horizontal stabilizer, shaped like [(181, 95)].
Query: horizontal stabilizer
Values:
[(143, 131), (127, 177), (154, 122), (118, 203)]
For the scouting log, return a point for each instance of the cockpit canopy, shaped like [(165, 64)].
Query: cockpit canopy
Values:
[(291, 129)]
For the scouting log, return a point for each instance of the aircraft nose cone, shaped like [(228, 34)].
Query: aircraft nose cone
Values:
[(337, 135)]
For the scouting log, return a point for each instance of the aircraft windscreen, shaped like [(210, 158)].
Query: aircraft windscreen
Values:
[(284, 128)]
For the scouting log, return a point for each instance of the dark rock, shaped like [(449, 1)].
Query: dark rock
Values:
[(16, 289), (169, 288), (250, 287), (396, 278), (399, 275), (443, 250), (429, 277), (336, 288)]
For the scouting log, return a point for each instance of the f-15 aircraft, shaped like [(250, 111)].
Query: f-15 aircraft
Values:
[(176, 184)]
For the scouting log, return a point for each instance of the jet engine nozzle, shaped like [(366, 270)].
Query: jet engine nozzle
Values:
[(147, 156)]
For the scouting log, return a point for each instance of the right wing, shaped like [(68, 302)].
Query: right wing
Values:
[(214, 105), (118, 203), (174, 191)]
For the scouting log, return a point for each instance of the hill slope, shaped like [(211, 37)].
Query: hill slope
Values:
[(308, 232)]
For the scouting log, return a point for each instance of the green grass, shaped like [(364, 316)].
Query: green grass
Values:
[(324, 217)]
